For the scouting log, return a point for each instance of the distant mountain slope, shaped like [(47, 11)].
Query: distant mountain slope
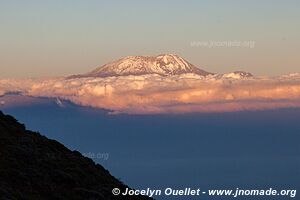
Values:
[(34, 167), (165, 65)]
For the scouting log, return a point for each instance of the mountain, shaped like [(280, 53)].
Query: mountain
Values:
[(34, 167), (237, 75), (164, 65)]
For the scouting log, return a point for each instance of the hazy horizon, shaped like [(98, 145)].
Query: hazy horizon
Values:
[(55, 38)]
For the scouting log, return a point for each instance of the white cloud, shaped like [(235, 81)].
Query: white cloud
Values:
[(156, 94)]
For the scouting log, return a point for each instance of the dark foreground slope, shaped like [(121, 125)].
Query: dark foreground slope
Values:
[(34, 167)]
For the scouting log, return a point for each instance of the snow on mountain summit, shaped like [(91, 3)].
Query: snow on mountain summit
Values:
[(237, 75), (164, 65)]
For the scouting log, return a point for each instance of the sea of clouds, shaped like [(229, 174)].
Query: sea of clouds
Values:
[(149, 94)]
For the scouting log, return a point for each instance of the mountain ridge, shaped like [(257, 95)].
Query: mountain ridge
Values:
[(164, 65), (35, 167)]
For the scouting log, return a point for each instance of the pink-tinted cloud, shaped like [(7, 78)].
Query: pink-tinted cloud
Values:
[(177, 94)]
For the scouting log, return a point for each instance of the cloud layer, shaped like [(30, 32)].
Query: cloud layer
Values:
[(150, 94)]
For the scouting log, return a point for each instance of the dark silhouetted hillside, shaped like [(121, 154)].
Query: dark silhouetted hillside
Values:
[(34, 167)]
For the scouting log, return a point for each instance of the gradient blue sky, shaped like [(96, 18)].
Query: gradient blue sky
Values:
[(54, 37)]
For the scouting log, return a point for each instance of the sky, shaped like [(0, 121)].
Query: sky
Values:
[(58, 38)]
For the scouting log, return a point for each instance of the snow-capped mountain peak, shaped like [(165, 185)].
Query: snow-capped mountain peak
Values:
[(164, 65), (237, 75)]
